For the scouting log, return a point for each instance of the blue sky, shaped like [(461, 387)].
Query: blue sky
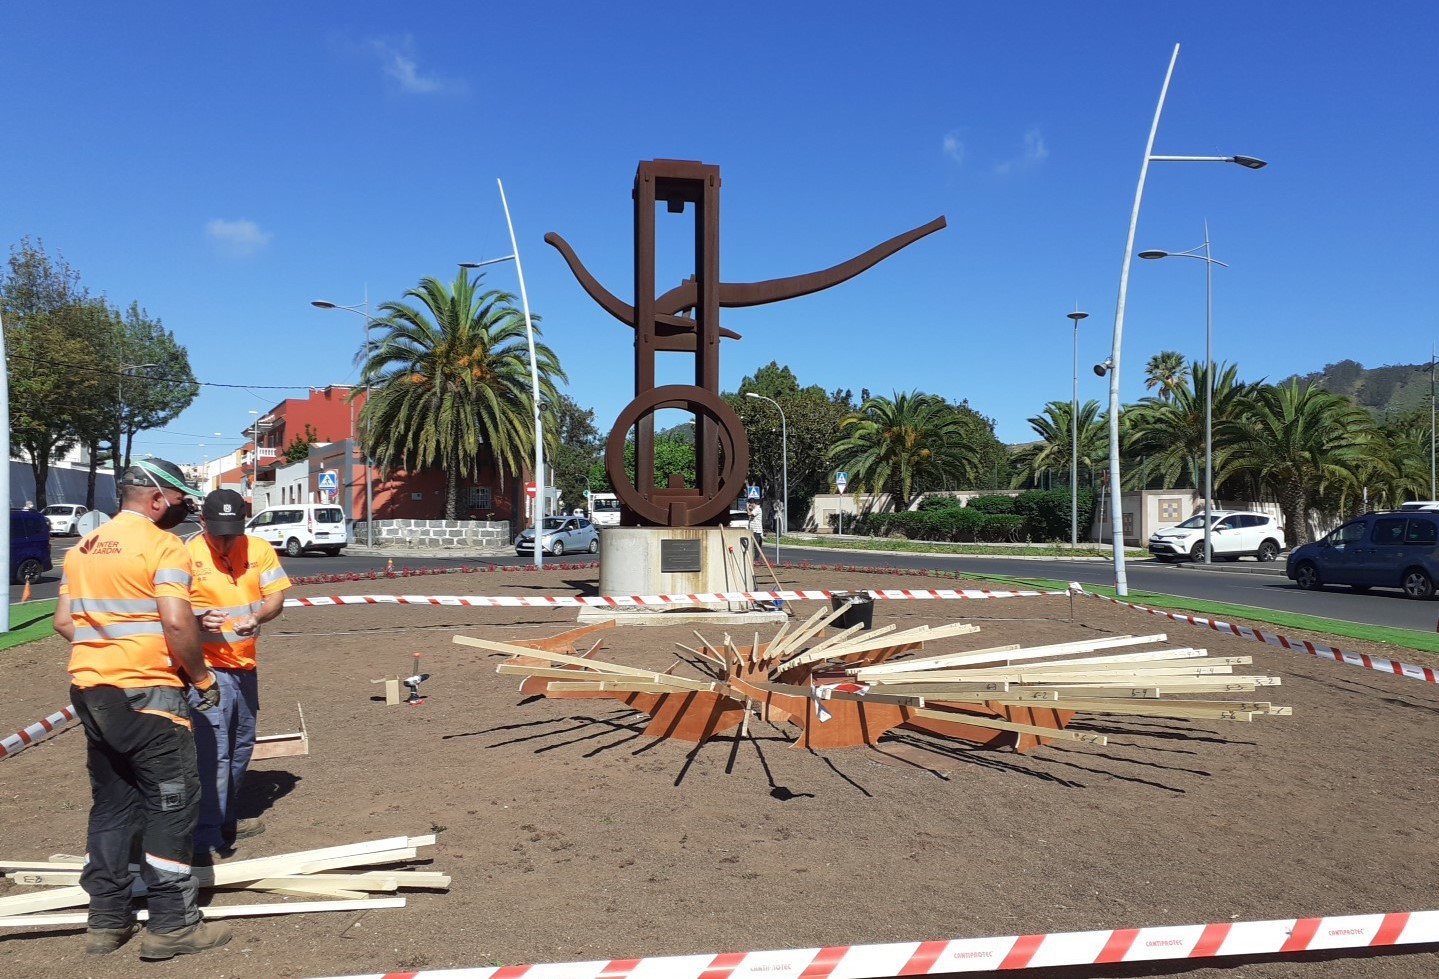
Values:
[(226, 164)]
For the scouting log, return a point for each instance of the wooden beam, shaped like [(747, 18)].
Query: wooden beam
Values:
[(1058, 734), (623, 686), (1000, 655), (227, 911)]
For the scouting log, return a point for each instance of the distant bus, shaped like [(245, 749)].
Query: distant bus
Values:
[(604, 510)]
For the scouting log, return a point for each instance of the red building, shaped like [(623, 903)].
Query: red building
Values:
[(330, 416)]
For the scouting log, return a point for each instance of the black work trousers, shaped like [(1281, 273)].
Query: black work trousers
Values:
[(145, 792)]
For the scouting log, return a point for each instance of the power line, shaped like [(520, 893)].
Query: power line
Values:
[(168, 380)]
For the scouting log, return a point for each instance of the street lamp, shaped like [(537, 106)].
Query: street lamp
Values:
[(784, 466), (362, 310), (1209, 263), (1074, 436), (1116, 506), (539, 513)]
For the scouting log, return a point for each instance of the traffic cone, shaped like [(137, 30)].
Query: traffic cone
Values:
[(25, 596)]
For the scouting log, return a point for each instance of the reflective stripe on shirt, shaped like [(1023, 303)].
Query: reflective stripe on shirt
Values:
[(114, 606), (173, 576), (233, 609), (272, 576), (117, 630)]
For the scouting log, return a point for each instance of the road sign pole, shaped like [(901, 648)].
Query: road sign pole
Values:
[(841, 480)]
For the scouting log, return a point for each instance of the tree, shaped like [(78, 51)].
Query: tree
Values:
[(450, 383), (1054, 451), (155, 395), (576, 446), (904, 446), (811, 418), (1164, 371), (1299, 442), (299, 448), (1169, 433)]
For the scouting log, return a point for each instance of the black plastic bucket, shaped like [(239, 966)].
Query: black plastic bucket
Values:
[(858, 609)]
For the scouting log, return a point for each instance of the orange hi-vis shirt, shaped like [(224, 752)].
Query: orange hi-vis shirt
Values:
[(114, 578), (234, 581)]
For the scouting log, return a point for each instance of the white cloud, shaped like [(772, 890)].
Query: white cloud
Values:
[(237, 239), (397, 60), (1032, 155), (954, 147)]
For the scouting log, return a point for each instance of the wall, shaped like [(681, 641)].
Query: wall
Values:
[(438, 534), (64, 484)]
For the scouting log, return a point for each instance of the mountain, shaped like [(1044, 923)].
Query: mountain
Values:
[(1388, 391)]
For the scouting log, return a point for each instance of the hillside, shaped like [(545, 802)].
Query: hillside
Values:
[(1387, 391)]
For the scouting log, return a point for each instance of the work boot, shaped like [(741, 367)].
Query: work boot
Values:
[(196, 938), (103, 941), (243, 829)]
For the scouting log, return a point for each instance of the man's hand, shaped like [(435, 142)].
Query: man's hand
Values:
[(209, 692), (246, 625)]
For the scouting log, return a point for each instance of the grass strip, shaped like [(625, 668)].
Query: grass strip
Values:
[(28, 623), (944, 547)]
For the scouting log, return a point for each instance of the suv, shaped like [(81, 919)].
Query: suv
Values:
[(302, 527), (64, 518), (29, 546), (1399, 549), (1234, 534)]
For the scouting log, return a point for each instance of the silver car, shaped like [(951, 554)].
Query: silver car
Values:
[(562, 535)]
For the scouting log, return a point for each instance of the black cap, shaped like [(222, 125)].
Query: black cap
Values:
[(224, 513), (156, 474)]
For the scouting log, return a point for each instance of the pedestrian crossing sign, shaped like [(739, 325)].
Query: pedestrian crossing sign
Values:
[(329, 481)]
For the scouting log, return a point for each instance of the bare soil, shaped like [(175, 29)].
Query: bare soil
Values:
[(570, 835)]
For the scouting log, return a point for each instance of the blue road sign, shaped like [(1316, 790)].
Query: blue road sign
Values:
[(754, 492), (841, 480), (329, 480)]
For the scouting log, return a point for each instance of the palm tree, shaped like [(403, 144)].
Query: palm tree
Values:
[(1055, 449), (1164, 371), (1300, 442), (1398, 467), (450, 383), (1169, 434), (905, 446)]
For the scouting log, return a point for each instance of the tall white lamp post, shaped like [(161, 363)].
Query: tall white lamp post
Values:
[(361, 310), (539, 514), (1116, 505), (784, 465), (1209, 263), (1074, 439)]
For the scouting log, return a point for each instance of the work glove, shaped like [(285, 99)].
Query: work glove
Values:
[(209, 692)]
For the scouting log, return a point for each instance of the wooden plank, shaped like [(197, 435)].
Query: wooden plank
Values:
[(623, 686), (226, 911), (52, 899), (9, 865), (357, 860), (874, 639), (1058, 734), (795, 637), (1032, 652)]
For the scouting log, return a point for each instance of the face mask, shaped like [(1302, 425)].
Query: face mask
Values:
[(175, 513)]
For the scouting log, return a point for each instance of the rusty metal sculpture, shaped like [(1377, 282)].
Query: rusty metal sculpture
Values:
[(660, 326)]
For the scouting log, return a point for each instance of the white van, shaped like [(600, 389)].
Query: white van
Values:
[(604, 510), (301, 527)]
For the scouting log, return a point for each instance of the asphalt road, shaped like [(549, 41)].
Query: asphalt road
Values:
[(1233, 584)]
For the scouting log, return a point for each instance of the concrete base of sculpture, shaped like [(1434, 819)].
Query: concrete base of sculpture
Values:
[(676, 561)]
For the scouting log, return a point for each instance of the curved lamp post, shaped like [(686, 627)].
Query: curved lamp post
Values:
[(784, 464), (1209, 263), (539, 515), (1116, 507), (361, 310), (1074, 439)]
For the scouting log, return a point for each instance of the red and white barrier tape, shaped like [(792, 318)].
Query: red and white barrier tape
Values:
[(1428, 674), (613, 601), (1287, 936), (39, 731)]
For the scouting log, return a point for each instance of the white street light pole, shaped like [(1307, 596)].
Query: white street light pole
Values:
[(1074, 438), (362, 310), (1209, 263), (539, 506), (1116, 506), (784, 465), (5, 464)]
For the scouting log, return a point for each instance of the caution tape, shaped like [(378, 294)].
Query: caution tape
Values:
[(1281, 937), (1363, 660), (39, 731), (620, 601)]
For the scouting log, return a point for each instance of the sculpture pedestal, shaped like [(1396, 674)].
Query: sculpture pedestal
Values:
[(677, 561)]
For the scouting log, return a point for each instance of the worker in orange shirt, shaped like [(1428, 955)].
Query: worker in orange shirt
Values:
[(239, 585), (135, 645)]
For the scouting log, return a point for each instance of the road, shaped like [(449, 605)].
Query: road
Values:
[(1232, 585)]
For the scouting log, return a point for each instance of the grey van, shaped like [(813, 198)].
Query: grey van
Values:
[(1378, 550)]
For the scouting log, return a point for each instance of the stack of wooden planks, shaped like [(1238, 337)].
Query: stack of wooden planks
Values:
[(850, 688), (305, 874)]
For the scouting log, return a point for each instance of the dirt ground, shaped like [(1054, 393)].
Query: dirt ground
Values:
[(570, 835)]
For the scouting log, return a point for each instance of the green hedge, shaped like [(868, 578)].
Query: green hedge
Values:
[(1037, 515)]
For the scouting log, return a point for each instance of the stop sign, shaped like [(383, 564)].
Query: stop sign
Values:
[(530, 490)]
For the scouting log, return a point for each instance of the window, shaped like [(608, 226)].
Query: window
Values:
[(477, 498), (1350, 533), (329, 515), (264, 519), (1422, 532), (1389, 530)]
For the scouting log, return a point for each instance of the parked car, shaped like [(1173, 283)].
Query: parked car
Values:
[(562, 535), (64, 518), (604, 510), (29, 546), (1234, 534), (1378, 550), (302, 527)]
